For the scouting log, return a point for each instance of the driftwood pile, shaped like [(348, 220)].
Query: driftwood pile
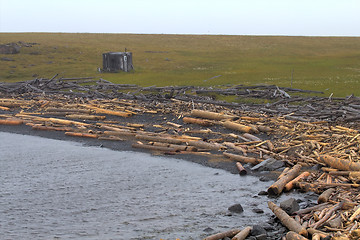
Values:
[(294, 103), (321, 155)]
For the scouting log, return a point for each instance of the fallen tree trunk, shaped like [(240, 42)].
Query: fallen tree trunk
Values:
[(153, 148), (158, 139), (241, 169), (85, 117), (279, 185), (324, 197), (328, 215), (78, 134), (11, 121), (341, 164), (230, 233), (286, 220), (201, 122), (237, 127), (243, 159), (206, 145), (50, 128), (294, 236), (242, 234), (210, 115), (110, 112), (290, 184)]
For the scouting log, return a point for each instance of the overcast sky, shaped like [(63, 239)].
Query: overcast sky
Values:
[(235, 17)]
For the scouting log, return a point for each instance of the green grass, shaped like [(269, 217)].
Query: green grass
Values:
[(329, 64)]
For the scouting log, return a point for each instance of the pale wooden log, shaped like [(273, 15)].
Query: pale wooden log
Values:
[(176, 147), (206, 145), (11, 121), (174, 124), (4, 108), (135, 125), (122, 133), (51, 128), (355, 214), (318, 207), (153, 148), (110, 112), (252, 137), (328, 215), (324, 197), (242, 159), (237, 127), (266, 129), (286, 220), (241, 169), (354, 176), (158, 139), (313, 232), (341, 164), (283, 173), (74, 110), (276, 188), (79, 134), (290, 184), (294, 236), (210, 115), (231, 233), (85, 117), (201, 122), (236, 148), (242, 234)]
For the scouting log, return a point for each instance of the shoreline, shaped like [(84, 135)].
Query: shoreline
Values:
[(213, 135)]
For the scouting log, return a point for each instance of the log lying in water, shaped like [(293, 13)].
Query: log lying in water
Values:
[(286, 220)]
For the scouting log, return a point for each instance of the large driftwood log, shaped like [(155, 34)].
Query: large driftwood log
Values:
[(210, 115), (324, 197), (231, 233), (243, 159), (237, 127), (294, 236), (341, 164), (201, 122), (206, 145), (276, 188), (11, 121), (242, 234), (286, 220)]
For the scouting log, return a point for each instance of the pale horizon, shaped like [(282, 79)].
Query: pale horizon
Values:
[(317, 18)]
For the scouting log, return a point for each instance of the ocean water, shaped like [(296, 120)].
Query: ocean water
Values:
[(52, 189)]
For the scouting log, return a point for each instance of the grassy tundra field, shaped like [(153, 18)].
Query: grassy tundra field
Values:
[(328, 64)]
